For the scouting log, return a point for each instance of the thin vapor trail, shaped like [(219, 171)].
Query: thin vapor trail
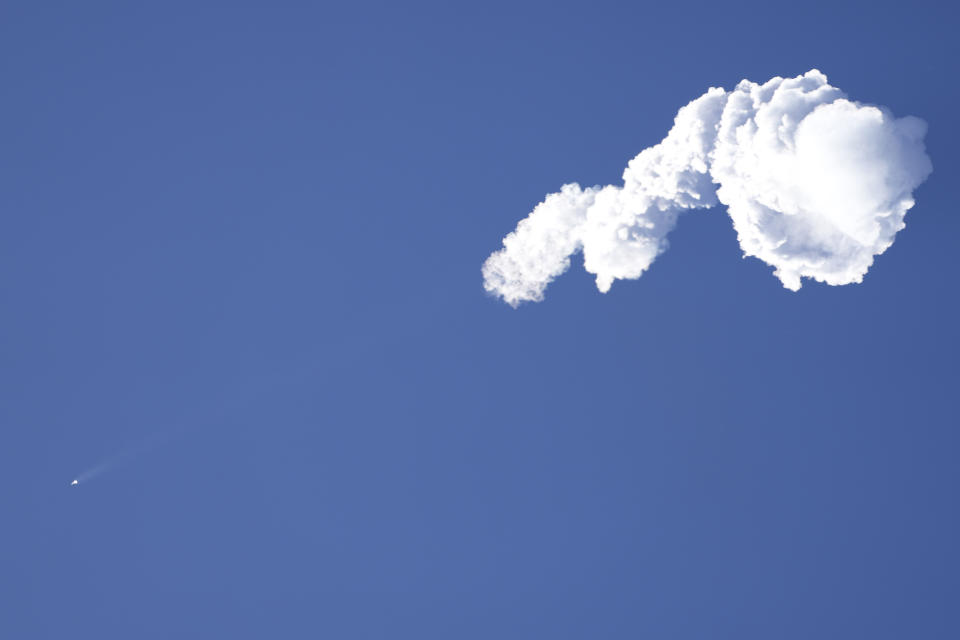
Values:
[(117, 459)]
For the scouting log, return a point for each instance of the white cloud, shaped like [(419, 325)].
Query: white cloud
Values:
[(816, 186)]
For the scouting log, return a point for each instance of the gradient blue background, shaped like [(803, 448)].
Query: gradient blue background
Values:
[(249, 237)]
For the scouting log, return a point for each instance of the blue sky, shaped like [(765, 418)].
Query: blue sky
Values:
[(251, 237)]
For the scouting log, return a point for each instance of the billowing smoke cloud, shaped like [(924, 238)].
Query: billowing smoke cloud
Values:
[(816, 186)]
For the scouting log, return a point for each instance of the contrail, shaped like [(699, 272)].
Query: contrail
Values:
[(816, 186), (185, 425), (116, 460)]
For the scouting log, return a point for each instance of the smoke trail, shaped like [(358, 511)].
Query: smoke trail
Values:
[(816, 186), (117, 459)]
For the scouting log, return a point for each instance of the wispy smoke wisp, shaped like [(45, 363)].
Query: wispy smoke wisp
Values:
[(118, 459), (816, 186)]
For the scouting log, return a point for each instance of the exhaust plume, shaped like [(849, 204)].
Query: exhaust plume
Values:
[(816, 186), (116, 460)]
